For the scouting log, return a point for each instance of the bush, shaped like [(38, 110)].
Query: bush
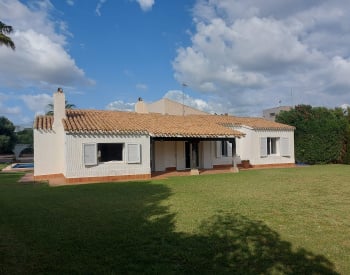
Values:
[(321, 134)]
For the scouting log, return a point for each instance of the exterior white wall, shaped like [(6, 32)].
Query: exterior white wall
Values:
[(207, 155), (166, 106), (49, 145), (75, 167), (156, 107), (141, 107), (180, 155), (243, 144), (165, 155), (169, 154), (48, 154), (248, 147), (218, 159)]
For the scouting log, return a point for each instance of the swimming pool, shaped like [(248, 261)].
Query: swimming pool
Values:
[(24, 165)]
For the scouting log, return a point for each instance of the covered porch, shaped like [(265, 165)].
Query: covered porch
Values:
[(191, 155)]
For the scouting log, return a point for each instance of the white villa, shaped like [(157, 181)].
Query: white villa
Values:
[(94, 145)]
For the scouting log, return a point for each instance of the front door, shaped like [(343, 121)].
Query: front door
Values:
[(191, 155)]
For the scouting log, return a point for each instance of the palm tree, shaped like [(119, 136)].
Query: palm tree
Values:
[(50, 108), (4, 39)]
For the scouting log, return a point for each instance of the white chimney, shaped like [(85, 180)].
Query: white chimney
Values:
[(59, 108), (141, 106)]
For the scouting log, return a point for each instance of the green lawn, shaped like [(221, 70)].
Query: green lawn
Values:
[(274, 221)]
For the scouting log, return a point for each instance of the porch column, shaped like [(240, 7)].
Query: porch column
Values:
[(194, 169), (234, 167)]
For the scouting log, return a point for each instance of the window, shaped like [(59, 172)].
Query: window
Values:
[(110, 151), (268, 146), (271, 146), (224, 148), (104, 152)]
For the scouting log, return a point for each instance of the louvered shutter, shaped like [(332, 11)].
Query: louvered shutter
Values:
[(229, 149), (218, 149), (134, 153), (263, 147), (90, 153), (285, 147)]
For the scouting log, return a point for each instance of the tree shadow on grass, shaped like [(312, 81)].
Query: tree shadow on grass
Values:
[(125, 229), (238, 244)]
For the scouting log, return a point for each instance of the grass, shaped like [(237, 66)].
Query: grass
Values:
[(276, 221), (3, 165)]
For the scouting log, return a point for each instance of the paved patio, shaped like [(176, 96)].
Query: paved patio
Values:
[(59, 181)]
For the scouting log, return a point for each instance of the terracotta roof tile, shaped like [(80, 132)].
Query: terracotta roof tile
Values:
[(156, 125), (252, 122), (43, 122)]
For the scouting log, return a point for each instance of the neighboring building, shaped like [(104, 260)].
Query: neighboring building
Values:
[(270, 114), (92, 145), (166, 106)]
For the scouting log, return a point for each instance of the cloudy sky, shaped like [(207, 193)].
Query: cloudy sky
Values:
[(235, 56)]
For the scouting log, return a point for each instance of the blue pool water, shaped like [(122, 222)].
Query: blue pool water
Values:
[(23, 165)]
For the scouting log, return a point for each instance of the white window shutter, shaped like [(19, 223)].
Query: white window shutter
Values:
[(229, 149), (134, 153), (90, 153), (218, 149), (263, 147), (285, 147)]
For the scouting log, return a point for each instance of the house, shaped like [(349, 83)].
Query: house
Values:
[(94, 145), (270, 114)]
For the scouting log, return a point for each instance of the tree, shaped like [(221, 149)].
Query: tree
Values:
[(7, 135), (50, 108), (4, 39), (25, 136), (320, 135)]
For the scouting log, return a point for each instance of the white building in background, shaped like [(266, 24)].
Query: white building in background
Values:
[(94, 145), (270, 114), (166, 106)]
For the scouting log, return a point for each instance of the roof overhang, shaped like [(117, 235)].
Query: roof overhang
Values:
[(192, 138)]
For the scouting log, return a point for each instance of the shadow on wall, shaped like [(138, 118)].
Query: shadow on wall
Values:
[(124, 228)]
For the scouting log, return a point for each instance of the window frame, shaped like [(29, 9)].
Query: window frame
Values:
[(224, 148), (109, 144), (270, 146)]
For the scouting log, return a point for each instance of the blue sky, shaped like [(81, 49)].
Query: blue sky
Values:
[(235, 56)]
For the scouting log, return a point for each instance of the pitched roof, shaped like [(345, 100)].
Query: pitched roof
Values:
[(156, 125), (256, 123)]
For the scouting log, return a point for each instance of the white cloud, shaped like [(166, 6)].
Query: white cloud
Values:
[(13, 113), (249, 55), (70, 2), (5, 110), (183, 98), (37, 103), (120, 105), (40, 57), (145, 5), (99, 6)]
